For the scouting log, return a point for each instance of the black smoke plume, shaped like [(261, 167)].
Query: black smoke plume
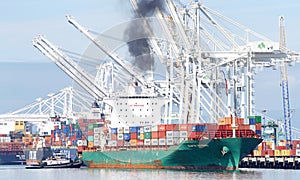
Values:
[(137, 34)]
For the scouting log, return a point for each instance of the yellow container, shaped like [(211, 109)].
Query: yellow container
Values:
[(19, 125), (277, 153), (256, 153), (91, 144), (285, 152), (133, 142), (142, 136), (259, 148)]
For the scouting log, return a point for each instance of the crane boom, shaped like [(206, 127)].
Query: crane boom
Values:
[(284, 86), (69, 66)]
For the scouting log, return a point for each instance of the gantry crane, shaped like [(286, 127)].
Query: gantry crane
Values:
[(284, 85)]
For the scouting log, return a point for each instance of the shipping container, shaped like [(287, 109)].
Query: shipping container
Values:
[(133, 136), (120, 143), (169, 134), (140, 142), (126, 136), (133, 142), (169, 141), (133, 129), (154, 142), (161, 127), (112, 143), (183, 127), (147, 135), (154, 135), (90, 138), (162, 135), (120, 130), (120, 137), (126, 130), (154, 128), (257, 119), (147, 129), (176, 134), (162, 142), (113, 130), (147, 142), (252, 121)]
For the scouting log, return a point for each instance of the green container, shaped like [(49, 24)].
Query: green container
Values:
[(147, 135), (251, 117), (90, 126), (95, 125), (258, 119)]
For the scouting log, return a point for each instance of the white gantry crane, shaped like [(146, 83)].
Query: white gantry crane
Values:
[(209, 62)]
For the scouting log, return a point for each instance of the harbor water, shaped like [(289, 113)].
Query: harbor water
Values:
[(17, 172)]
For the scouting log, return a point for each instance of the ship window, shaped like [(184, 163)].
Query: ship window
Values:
[(120, 103), (125, 109), (147, 109), (125, 103), (125, 115), (140, 115), (132, 109), (145, 115), (140, 109), (1, 124), (120, 109), (152, 109), (147, 103), (5, 124), (155, 103), (117, 103)]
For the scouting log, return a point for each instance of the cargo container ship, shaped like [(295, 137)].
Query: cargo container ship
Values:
[(11, 153), (192, 146)]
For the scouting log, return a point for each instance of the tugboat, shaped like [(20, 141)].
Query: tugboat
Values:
[(58, 160)]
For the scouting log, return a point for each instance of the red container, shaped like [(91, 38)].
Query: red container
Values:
[(161, 127), (161, 135), (176, 127), (80, 148), (258, 126), (114, 137), (120, 143), (183, 127), (154, 135), (244, 127), (263, 153), (193, 135), (293, 152), (170, 127), (269, 152), (133, 135), (140, 142), (90, 132)]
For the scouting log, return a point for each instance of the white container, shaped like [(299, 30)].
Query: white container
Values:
[(147, 142), (141, 130), (162, 142), (183, 134), (170, 141), (176, 134), (112, 143), (120, 130), (126, 130), (154, 128), (96, 130), (169, 134), (297, 152), (176, 140), (120, 136), (154, 142), (96, 137), (96, 142), (252, 127), (147, 129)]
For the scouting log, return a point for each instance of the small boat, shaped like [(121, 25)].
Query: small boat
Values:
[(58, 160)]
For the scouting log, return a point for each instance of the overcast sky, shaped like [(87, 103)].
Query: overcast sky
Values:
[(23, 78)]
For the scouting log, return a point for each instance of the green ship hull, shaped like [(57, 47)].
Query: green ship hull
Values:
[(215, 154)]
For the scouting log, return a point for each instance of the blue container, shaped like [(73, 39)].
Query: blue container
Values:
[(113, 130), (258, 132), (133, 129), (127, 137), (252, 121), (202, 128)]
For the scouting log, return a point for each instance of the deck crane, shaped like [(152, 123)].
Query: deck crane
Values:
[(284, 85)]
